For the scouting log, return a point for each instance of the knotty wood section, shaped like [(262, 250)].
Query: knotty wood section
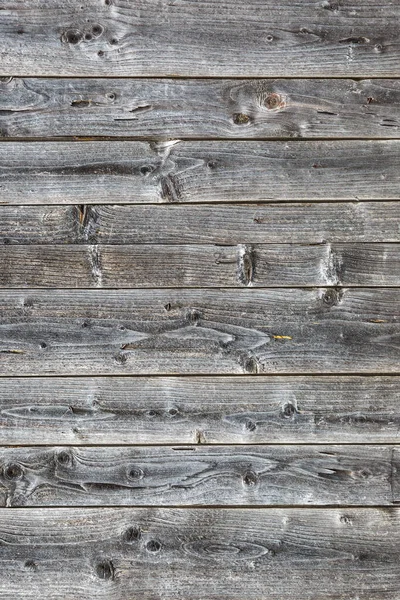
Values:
[(199, 331), (202, 475), (191, 38), (217, 171), (149, 266), (200, 553), (200, 410), (190, 108), (228, 224), (199, 303)]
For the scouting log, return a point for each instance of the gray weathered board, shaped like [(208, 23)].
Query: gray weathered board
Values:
[(200, 38), (243, 331), (197, 171), (172, 266), (199, 553), (200, 300), (200, 410), (200, 475), (222, 224), (196, 108)]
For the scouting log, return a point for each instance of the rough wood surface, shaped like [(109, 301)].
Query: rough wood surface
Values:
[(191, 108), (241, 554), (309, 223), (139, 172), (187, 410), (193, 38), (171, 266), (199, 475), (46, 332)]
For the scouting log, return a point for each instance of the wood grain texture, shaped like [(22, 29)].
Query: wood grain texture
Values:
[(241, 554), (199, 331), (195, 266), (198, 475), (144, 108), (230, 224), (188, 410), (205, 39), (138, 172)]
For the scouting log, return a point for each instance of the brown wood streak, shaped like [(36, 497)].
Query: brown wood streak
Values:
[(193, 266), (194, 108), (196, 475), (199, 331), (187, 410), (122, 553), (214, 171), (191, 38), (229, 224)]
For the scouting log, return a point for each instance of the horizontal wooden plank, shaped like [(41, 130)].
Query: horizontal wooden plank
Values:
[(310, 223), (124, 553), (139, 172), (187, 410), (170, 266), (198, 475), (193, 108), (62, 332), (205, 39)]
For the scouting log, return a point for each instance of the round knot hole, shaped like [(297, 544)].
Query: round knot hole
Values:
[(289, 410), (241, 119), (105, 569), (64, 458), (250, 478), (13, 472), (132, 534), (153, 546), (97, 30), (250, 425), (72, 36), (135, 473), (273, 101)]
